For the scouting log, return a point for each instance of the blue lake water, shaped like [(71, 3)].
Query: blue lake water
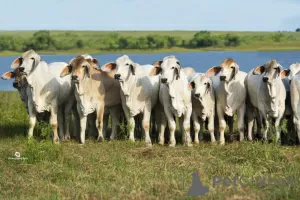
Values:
[(200, 61)]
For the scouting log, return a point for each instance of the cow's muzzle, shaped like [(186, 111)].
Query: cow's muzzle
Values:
[(164, 80), (16, 85), (74, 78), (222, 78), (265, 79), (117, 76)]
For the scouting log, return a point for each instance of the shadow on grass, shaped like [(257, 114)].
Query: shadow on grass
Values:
[(13, 130)]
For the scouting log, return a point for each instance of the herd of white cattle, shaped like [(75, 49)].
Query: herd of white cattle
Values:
[(164, 90)]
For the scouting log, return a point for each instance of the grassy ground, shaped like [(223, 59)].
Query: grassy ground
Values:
[(125, 170), (256, 45)]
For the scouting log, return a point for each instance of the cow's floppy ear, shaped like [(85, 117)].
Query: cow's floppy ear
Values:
[(94, 60), (259, 70), (132, 68), (213, 71), (157, 63), (8, 75), (108, 67), (236, 69), (191, 85), (17, 63), (285, 73), (177, 70), (87, 69), (155, 71), (66, 71)]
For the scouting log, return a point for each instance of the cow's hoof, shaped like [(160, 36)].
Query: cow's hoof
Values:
[(172, 145), (161, 142), (67, 137), (56, 141), (148, 144), (222, 142), (189, 144), (196, 142), (100, 139)]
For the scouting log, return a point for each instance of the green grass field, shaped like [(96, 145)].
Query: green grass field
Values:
[(125, 170), (257, 43)]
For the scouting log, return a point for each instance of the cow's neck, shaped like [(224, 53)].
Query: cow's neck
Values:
[(230, 107), (85, 89), (40, 84), (129, 88), (176, 93)]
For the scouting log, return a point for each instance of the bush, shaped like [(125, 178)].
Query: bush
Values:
[(41, 40), (203, 39), (232, 40)]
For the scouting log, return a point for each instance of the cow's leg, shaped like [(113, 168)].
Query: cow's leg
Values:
[(82, 128), (296, 120), (172, 126), (99, 122), (163, 123), (68, 118), (115, 120), (53, 122), (83, 123), (222, 124), (130, 123), (230, 123), (196, 126), (241, 117), (277, 128), (32, 119), (146, 122), (60, 120), (265, 134), (76, 131), (187, 126), (105, 123), (211, 128), (250, 121)]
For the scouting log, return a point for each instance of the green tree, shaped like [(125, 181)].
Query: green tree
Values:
[(232, 40), (41, 40), (203, 39)]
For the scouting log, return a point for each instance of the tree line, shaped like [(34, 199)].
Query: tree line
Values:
[(43, 40)]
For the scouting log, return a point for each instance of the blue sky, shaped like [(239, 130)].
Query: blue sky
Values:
[(237, 15)]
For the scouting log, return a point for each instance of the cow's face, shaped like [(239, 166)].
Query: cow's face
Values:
[(226, 71), (125, 68), (271, 72), (229, 68), (170, 69), (201, 86), (79, 68), (20, 82), (27, 63)]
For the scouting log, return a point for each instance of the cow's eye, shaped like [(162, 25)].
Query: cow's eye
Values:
[(83, 65), (205, 83), (32, 58), (127, 64), (232, 67), (172, 67)]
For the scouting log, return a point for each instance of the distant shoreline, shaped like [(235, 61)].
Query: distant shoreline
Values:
[(163, 50)]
